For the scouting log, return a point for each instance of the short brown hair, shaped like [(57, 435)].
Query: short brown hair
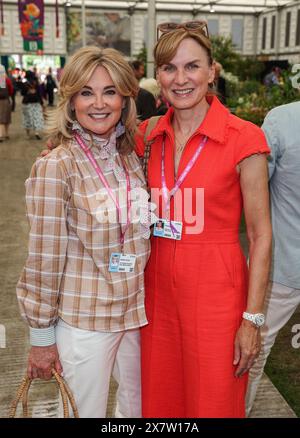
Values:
[(166, 47)]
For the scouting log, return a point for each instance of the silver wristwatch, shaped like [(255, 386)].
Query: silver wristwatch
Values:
[(258, 319)]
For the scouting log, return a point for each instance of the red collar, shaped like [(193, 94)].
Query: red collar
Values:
[(214, 125)]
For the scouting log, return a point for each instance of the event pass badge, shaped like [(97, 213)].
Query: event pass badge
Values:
[(168, 230), (121, 262)]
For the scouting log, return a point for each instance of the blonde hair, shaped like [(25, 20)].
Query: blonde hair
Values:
[(166, 47), (151, 85), (76, 74)]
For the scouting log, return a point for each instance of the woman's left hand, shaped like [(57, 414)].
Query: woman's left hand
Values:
[(246, 347)]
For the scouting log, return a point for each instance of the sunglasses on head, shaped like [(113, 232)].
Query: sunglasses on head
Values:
[(195, 26)]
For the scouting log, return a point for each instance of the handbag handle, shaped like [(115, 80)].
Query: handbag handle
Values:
[(144, 160), (23, 390)]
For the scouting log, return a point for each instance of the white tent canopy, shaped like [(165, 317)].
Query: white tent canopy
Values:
[(193, 6), (155, 10)]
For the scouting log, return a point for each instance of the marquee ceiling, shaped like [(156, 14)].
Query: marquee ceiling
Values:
[(196, 6)]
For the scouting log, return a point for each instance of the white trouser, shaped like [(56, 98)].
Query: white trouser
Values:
[(281, 303), (89, 359)]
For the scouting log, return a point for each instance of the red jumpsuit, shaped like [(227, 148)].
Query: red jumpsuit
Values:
[(196, 288)]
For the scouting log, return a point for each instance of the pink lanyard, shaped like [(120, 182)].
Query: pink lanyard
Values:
[(94, 163), (179, 181)]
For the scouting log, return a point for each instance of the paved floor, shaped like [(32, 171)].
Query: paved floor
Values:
[(16, 158)]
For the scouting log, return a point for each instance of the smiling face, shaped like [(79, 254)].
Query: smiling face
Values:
[(98, 105), (184, 80)]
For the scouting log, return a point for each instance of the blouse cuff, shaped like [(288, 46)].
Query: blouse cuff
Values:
[(42, 337)]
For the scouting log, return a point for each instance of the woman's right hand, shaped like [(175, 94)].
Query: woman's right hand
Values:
[(44, 152), (42, 360), (47, 151)]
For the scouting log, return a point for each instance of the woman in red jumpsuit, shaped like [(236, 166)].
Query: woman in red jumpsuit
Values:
[(199, 344)]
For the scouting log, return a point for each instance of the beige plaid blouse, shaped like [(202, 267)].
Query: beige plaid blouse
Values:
[(66, 273)]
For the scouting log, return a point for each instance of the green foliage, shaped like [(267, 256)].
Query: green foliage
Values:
[(11, 63), (283, 366), (142, 56), (252, 100), (247, 97), (73, 28), (224, 52), (30, 60), (249, 87), (249, 68), (245, 68)]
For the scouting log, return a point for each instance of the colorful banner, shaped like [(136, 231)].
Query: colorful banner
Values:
[(57, 18), (1, 18), (31, 19)]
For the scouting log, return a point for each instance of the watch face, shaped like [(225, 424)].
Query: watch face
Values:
[(259, 320)]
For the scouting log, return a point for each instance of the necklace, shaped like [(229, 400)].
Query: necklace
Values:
[(180, 143), (178, 152), (180, 146)]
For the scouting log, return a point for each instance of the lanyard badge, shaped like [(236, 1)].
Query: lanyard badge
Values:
[(119, 262), (165, 227)]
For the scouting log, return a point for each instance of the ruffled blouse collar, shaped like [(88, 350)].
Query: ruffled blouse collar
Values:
[(96, 140), (106, 149)]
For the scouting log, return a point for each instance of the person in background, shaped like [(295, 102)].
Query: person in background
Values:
[(32, 105), (204, 307), (50, 86), (84, 309), (13, 80), (151, 85), (6, 91), (282, 129), (220, 83), (18, 74), (273, 78), (36, 73), (138, 69), (145, 101)]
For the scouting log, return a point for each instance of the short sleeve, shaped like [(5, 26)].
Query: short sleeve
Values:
[(252, 141), (139, 138)]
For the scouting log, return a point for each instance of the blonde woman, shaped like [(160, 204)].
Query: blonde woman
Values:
[(82, 288)]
